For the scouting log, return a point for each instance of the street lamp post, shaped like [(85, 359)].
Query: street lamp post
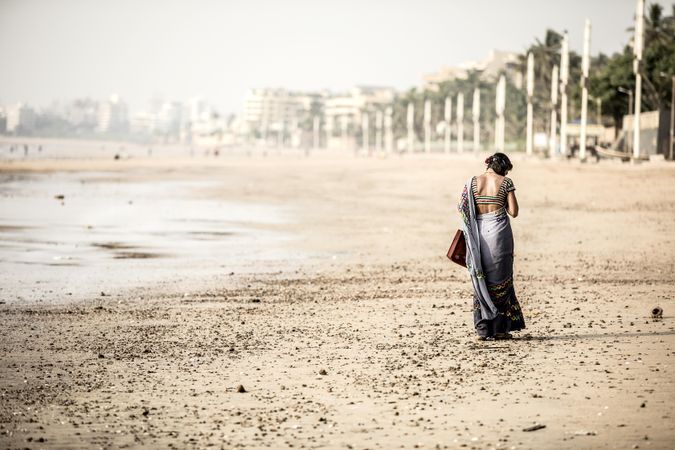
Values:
[(365, 133), (460, 122), (585, 64), (637, 62), (344, 128), (447, 116), (379, 119), (564, 77), (475, 110), (316, 124), (530, 93), (554, 105), (427, 126), (411, 126), (388, 127), (500, 106)]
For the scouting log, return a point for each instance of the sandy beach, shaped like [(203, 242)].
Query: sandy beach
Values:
[(322, 288)]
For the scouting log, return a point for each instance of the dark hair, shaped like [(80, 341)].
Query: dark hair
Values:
[(500, 163)]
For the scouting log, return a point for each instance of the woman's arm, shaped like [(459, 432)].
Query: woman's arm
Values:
[(512, 204)]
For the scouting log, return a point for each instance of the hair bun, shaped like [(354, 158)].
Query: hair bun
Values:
[(500, 163)]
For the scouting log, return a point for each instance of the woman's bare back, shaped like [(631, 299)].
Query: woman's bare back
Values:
[(492, 195)]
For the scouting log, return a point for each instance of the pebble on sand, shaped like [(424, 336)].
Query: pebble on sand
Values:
[(241, 389), (657, 312)]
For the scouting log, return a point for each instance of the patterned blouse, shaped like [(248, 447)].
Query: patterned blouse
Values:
[(499, 199)]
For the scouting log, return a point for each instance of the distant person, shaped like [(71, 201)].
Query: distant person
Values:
[(486, 203), (25, 150)]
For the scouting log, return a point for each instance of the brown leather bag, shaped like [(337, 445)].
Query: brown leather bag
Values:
[(457, 251)]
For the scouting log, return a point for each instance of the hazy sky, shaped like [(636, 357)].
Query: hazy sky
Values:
[(61, 49)]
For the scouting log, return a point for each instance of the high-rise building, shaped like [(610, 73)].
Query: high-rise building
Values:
[(170, 118), (113, 116), (20, 119), (198, 110), (277, 109), (281, 114)]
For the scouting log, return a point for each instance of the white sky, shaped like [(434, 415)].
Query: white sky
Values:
[(62, 49)]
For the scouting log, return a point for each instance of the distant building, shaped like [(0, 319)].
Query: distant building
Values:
[(198, 110), (489, 68), (173, 121), (277, 110), (170, 118), (280, 117), (20, 119), (343, 113), (113, 116)]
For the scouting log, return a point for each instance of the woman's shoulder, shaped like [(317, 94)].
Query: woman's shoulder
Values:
[(508, 184)]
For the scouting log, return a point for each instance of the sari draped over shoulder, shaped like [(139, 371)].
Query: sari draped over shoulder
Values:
[(489, 261)]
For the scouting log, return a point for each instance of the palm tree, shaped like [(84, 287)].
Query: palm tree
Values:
[(546, 55), (659, 47)]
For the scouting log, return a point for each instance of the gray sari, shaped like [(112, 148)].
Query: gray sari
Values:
[(489, 260)]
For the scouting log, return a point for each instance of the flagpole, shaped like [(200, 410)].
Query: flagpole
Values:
[(530, 93)]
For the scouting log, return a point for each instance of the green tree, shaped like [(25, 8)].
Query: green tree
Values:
[(657, 68), (616, 73)]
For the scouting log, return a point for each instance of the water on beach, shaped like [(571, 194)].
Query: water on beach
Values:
[(84, 234)]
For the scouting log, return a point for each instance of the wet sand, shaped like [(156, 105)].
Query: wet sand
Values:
[(63, 234), (366, 341)]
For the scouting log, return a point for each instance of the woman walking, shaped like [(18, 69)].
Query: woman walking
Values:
[(486, 203)]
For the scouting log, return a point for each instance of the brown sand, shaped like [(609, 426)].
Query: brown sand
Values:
[(370, 344)]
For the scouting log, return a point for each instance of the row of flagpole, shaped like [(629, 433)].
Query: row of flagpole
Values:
[(559, 80), (384, 121), (559, 85)]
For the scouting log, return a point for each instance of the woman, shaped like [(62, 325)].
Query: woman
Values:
[(485, 205)]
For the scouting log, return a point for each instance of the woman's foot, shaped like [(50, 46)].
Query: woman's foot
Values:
[(484, 338), (503, 336)]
